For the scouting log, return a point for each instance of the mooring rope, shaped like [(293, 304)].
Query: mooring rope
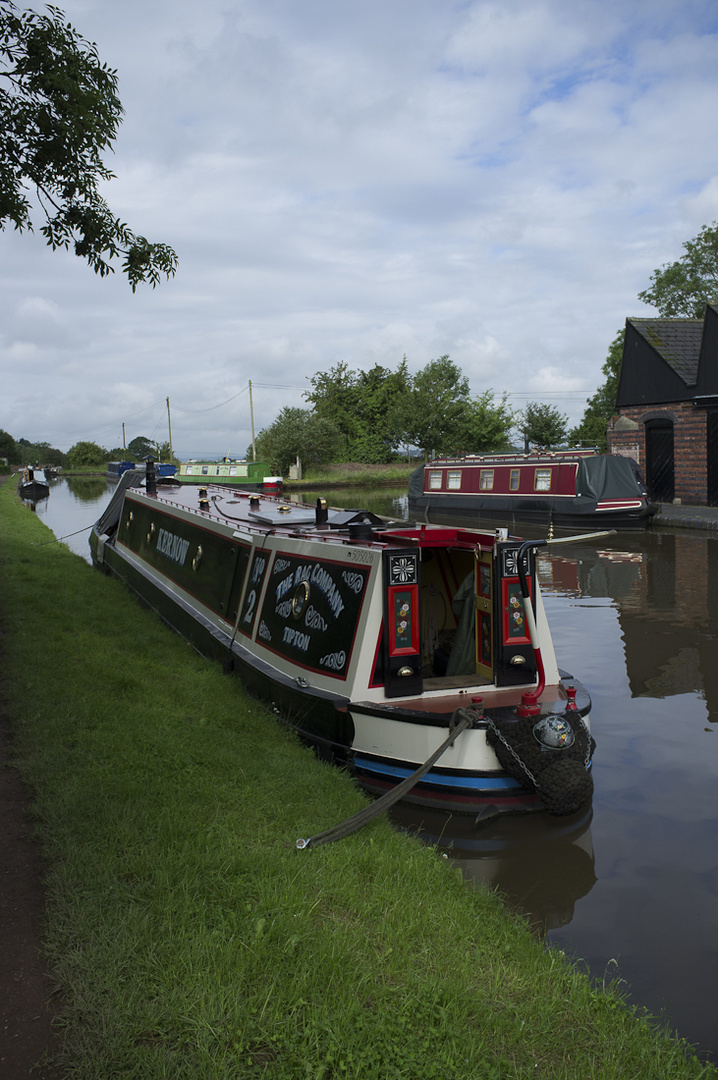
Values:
[(461, 719)]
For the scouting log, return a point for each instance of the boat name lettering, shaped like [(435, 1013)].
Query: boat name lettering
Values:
[(284, 609), (302, 573), (314, 620), (264, 631), (354, 581), (174, 547), (297, 638), (324, 581), (335, 661), (280, 565)]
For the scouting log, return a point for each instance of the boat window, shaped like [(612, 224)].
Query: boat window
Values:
[(205, 470), (435, 480), (514, 480), (453, 480), (542, 480), (232, 470), (486, 480)]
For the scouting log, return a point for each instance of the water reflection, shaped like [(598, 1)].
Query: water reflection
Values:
[(664, 597), (541, 865), (35, 505), (74, 504), (88, 489)]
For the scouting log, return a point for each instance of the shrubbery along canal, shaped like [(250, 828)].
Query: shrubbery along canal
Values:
[(631, 889)]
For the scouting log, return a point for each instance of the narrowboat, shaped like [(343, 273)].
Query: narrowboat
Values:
[(33, 484), (249, 475), (369, 637), (115, 469), (568, 488)]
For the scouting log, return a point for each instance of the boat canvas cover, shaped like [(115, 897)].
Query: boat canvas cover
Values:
[(416, 483), (607, 476)]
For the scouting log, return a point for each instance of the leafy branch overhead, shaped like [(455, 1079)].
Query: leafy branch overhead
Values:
[(59, 113), (684, 287)]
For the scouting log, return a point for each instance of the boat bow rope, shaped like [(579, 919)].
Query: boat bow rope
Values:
[(460, 721)]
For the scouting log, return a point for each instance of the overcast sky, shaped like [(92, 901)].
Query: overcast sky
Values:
[(359, 181)]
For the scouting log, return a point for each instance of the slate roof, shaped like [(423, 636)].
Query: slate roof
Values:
[(677, 342)]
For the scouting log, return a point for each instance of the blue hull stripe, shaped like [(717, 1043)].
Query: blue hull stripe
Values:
[(472, 783)]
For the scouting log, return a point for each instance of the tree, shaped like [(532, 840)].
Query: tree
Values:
[(433, 412), (592, 431), (140, 448), (298, 433), (8, 448), (361, 405), (59, 112), (163, 452), (334, 397), (485, 425), (379, 392), (542, 425), (684, 287), (86, 454)]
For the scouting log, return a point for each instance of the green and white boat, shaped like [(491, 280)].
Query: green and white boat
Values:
[(250, 475)]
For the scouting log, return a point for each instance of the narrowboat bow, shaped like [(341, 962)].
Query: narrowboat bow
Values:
[(33, 484), (368, 637)]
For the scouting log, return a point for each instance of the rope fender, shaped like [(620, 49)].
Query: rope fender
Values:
[(559, 774)]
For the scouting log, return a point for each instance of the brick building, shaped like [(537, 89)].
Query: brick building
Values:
[(667, 404)]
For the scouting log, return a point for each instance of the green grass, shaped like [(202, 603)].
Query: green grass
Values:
[(187, 935), (349, 473)]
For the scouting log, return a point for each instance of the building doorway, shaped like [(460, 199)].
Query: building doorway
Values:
[(660, 468)]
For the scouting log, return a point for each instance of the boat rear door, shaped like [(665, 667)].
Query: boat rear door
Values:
[(484, 603)]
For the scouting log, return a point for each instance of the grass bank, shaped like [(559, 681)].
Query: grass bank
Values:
[(349, 473), (187, 935)]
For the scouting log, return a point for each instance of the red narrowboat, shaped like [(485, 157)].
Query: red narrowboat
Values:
[(573, 488)]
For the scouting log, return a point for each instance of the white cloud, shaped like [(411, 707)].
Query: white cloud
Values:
[(354, 183)]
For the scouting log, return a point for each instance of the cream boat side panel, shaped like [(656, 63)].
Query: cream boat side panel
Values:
[(387, 738), (548, 654)]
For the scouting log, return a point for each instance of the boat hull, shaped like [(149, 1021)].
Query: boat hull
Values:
[(559, 511)]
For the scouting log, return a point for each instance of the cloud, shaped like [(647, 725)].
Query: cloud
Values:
[(356, 183)]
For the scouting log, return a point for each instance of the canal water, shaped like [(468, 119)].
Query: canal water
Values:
[(631, 888)]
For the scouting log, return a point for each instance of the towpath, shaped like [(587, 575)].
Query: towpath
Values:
[(27, 1007)]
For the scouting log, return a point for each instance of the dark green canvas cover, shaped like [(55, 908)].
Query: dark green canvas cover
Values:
[(607, 476)]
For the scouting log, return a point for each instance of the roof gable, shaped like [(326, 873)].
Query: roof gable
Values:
[(660, 361)]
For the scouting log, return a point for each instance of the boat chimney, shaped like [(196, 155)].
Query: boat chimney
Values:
[(254, 502), (150, 476), (321, 515)]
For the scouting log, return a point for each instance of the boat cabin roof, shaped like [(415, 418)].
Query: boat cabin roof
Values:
[(267, 513)]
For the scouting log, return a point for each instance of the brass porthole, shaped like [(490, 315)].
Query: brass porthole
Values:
[(197, 558), (299, 600)]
